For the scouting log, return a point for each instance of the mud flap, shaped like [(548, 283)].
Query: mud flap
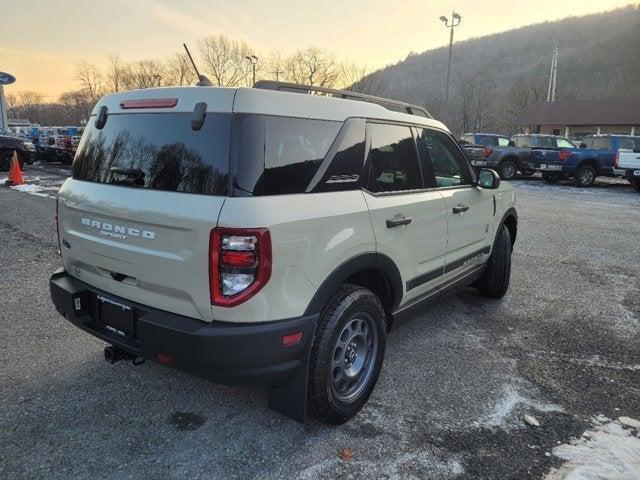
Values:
[(290, 399)]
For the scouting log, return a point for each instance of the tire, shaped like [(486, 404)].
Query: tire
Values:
[(636, 184), (585, 176), (346, 357), (507, 169), (5, 160), (494, 282)]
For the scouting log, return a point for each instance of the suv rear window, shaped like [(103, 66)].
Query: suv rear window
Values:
[(159, 151)]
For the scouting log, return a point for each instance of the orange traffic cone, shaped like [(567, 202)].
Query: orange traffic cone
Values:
[(15, 174)]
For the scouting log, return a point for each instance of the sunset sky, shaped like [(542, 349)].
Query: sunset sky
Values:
[(42, 41)]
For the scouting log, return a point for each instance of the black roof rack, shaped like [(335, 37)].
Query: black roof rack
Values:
[(310, 89)]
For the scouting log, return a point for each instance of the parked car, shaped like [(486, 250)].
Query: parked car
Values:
[(9, 142), (594, 158), (627, 163), (257, 236), (508, 156)]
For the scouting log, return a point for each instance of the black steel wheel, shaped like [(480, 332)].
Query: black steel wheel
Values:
[(346, 354)]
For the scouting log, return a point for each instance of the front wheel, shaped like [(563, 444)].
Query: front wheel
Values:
[(585, 176), (346, 355), (494, 282), (507, 170)]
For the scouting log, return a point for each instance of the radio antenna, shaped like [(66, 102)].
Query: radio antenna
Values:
[(202, 80)]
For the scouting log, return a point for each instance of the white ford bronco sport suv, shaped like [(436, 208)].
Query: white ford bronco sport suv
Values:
[(271, 235)]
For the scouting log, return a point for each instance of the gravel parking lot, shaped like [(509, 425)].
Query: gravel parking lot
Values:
[(563, 347)]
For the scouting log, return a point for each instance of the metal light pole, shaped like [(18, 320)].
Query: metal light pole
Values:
[(455, 21), (253, 60)]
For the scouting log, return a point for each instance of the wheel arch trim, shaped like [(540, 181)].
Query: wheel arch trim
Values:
[(363, 261)]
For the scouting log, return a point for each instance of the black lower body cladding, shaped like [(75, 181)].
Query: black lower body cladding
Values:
[(244, 354)]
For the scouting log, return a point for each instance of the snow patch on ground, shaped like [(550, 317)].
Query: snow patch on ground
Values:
[(31, 189), (610, 451), (510, 400)]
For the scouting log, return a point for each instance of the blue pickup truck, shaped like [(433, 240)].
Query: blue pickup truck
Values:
[(594, 158)]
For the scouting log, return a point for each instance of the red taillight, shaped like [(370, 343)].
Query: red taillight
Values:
[(563, 155), (238, 259), (239, 264), (616, 159), (488, 151), (149, 103)]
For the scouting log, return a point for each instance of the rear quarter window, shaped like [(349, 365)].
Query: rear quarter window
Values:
[(279, 155)]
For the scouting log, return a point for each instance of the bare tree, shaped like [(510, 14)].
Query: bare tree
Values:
[(475, 102), (314, 66), (143, 74), (276, 66), (179, 71), (358, 78), (76, 106), (117, 71), (224, 60), (90, 79)]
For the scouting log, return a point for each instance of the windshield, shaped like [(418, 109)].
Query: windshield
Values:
[(157, 151)]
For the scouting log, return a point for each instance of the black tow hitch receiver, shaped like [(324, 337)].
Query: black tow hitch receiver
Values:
[(114, 354)]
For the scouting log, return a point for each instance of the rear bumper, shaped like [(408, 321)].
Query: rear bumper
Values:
[(233, 354)]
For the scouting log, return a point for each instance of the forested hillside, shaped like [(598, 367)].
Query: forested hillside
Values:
[(494, 77)]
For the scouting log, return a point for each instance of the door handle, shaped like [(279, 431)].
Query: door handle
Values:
[(398, 220), (460, 208)]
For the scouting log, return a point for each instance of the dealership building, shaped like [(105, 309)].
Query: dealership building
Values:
[(577, 118)]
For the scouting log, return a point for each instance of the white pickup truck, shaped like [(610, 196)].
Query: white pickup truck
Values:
[(627, 164)]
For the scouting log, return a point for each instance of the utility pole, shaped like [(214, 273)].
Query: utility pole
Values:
[(553, 75), (253, 60), (455, 21)]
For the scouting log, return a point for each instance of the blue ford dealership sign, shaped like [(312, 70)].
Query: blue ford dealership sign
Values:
[(6, 78)]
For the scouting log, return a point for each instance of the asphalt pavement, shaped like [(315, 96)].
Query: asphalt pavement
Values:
[(562, 347)]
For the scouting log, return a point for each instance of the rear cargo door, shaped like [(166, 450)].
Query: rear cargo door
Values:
[(135, 219)]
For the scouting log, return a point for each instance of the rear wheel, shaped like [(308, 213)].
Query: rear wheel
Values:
[(585, 176), (494, 282), (346, 355), (507, 169)]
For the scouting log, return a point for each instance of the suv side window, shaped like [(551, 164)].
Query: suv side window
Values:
[(393, 159), (449, 166)]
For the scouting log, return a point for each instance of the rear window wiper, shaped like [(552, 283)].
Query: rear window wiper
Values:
[(134, 176)]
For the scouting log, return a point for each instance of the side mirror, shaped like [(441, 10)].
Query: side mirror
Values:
[(488, 179), (583, 145), (511, 143)]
